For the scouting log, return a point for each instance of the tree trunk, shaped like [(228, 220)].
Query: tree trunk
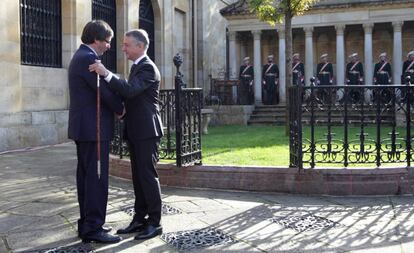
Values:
[(288, 68)]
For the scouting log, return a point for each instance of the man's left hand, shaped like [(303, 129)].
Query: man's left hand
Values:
[(99, 68)]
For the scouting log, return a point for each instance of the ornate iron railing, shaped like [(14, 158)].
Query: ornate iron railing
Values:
[(348, 125), (106, 10), (41, 33), (180, 111)]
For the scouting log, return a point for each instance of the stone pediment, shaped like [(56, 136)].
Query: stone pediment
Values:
[(241, 7)]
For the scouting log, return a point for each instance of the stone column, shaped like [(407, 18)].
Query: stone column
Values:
[(397, 52), (368, 53), (232, 55), (282, 66), (233, 61), (257, 67), (309, 53), (167, 66), (10, 67), (340, 54)]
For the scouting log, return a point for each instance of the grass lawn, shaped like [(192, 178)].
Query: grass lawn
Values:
[(246, 145), (266, 145)]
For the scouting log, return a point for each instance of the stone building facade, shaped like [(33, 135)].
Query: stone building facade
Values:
[(336, 27), (34, 99)]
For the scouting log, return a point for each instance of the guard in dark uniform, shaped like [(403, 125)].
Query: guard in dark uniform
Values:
[(324, 76), (408, 68), (298, 70), (246, 76), (382, 76), (354, 71), (382, 71), (270, 77), (355, 76), (324, 71)]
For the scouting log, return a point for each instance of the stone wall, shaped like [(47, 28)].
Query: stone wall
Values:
[(387, 181), (230, 114), (30, 129)]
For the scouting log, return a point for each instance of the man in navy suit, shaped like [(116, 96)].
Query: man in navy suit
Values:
[(143, 131), (92, 190)]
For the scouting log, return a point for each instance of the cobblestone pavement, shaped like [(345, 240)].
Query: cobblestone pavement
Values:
[(38, 213)]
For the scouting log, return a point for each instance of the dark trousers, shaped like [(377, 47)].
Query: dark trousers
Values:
[(144, 158), (92, 191)]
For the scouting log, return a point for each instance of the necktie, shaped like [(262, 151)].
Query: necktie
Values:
[(132, 68)]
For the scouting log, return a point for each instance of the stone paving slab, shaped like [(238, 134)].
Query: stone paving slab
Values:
[(38, 211)]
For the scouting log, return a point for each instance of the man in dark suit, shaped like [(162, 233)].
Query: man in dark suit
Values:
[(143, 131), (92, 189)]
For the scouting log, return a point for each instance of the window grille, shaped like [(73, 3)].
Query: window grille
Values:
[(106, 10), (41, 33)]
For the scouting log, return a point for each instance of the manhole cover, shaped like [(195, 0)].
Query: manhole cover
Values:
[(165, 210), (194, 239), (305, 222), (67, 249)]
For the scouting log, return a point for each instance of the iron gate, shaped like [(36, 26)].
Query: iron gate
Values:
[(180, 110)]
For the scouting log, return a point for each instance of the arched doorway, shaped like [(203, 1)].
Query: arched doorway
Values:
[(146, 22)]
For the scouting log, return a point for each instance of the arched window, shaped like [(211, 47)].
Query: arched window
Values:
[(146, 22), (106, 11), (41, 33)]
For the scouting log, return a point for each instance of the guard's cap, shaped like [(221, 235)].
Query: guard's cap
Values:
[(324, 55), (384, 54), (246, 58), (296, 55), (353, 55), (270, 56), (410, 53)]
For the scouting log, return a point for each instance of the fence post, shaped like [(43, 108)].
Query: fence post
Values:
[(408, 117), (178, 60)]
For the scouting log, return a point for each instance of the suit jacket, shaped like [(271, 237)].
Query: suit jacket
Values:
[(82, 91), (141, 92)]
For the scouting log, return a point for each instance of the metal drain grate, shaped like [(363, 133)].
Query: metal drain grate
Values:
[(67, 249), (165, 210), (195, 239), (305, 222)]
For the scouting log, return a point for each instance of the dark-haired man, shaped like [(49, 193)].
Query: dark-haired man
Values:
[(143, 131), (92, 188)]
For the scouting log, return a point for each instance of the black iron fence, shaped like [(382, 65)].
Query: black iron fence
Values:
[(349, 125), (180, 110)]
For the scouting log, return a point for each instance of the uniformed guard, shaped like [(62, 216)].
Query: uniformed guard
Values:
[(382, 70), (270, 76), (246, 76), (354, 71), (355, 76), (298, 70), (324, 71), (408, 68)]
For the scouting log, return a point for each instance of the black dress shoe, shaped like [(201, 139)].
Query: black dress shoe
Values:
[(133, 227), (101, 237), (106, 229), (150, 231)]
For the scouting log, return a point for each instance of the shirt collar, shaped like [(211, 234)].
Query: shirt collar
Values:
[(93, 50), (139, 59)]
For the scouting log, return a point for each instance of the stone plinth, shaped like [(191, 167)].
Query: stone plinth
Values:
[(386, 181), (231, 114)]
